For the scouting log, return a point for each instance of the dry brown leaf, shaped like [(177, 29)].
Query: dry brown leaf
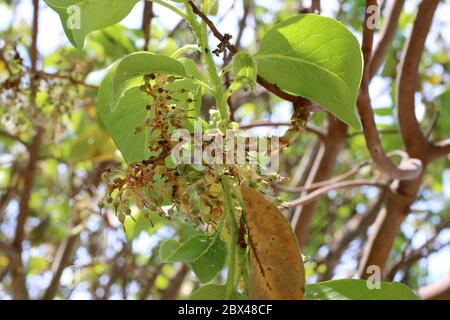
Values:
[(276, 265)]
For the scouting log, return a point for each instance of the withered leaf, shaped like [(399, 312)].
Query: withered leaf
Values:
[(276, 265)]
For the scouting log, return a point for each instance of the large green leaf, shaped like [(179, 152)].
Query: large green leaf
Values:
[(317, 58), (354, 289), (121, 124), (138, 64), (80, 17), (121, 104)]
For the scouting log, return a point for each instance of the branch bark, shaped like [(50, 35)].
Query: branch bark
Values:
[(415, 142), (60, 263), (174, 287), (355, 228), (310, 128), (324, 167), (436, 291), (233, 50), (19, 290), (339, 185), (409, 169), (387, 36), (399, 202), (147, 22)]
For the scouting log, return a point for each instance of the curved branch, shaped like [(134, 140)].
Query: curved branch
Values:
[(309, 128), (340, 185), (436, 291), (320, 184), (410, 168), (440, 149), (415, 142), (387, 36)]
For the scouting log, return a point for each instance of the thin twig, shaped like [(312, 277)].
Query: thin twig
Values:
[(233, 50), (340, 185)]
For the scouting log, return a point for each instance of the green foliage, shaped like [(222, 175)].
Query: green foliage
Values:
[(122, 103), (317, 58), (353, 289), (80, 17), (137, 65), (122, 122), (206, 255)]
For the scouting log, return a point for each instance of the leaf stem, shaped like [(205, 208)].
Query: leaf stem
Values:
[(232, 252), (201, 32), (171, 8)]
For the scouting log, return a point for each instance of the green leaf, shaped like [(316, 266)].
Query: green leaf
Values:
[(80, 17), (206, 255), (138, 64), (244, 69), (214, 292), (211, 262), (167, 248), (190, 250), (121, 104), (121, 124), (354, 289), (317, 58)]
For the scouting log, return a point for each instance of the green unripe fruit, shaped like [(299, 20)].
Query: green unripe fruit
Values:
[(109, 199), (101, 204), (121, 217), (127, 211)]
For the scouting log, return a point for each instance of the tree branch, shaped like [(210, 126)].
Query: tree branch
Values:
[(436, 291), (440, 149), (10, 252), (61, 261), (13, 137), (315, 6), (339, 185), (173, 289), (233, 50), (415, 142), (398, 204), (147, 22), (308, 128), (321, 170), (243, 22), (387, 36), (18, 272), (354, 228), (409, 169)]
